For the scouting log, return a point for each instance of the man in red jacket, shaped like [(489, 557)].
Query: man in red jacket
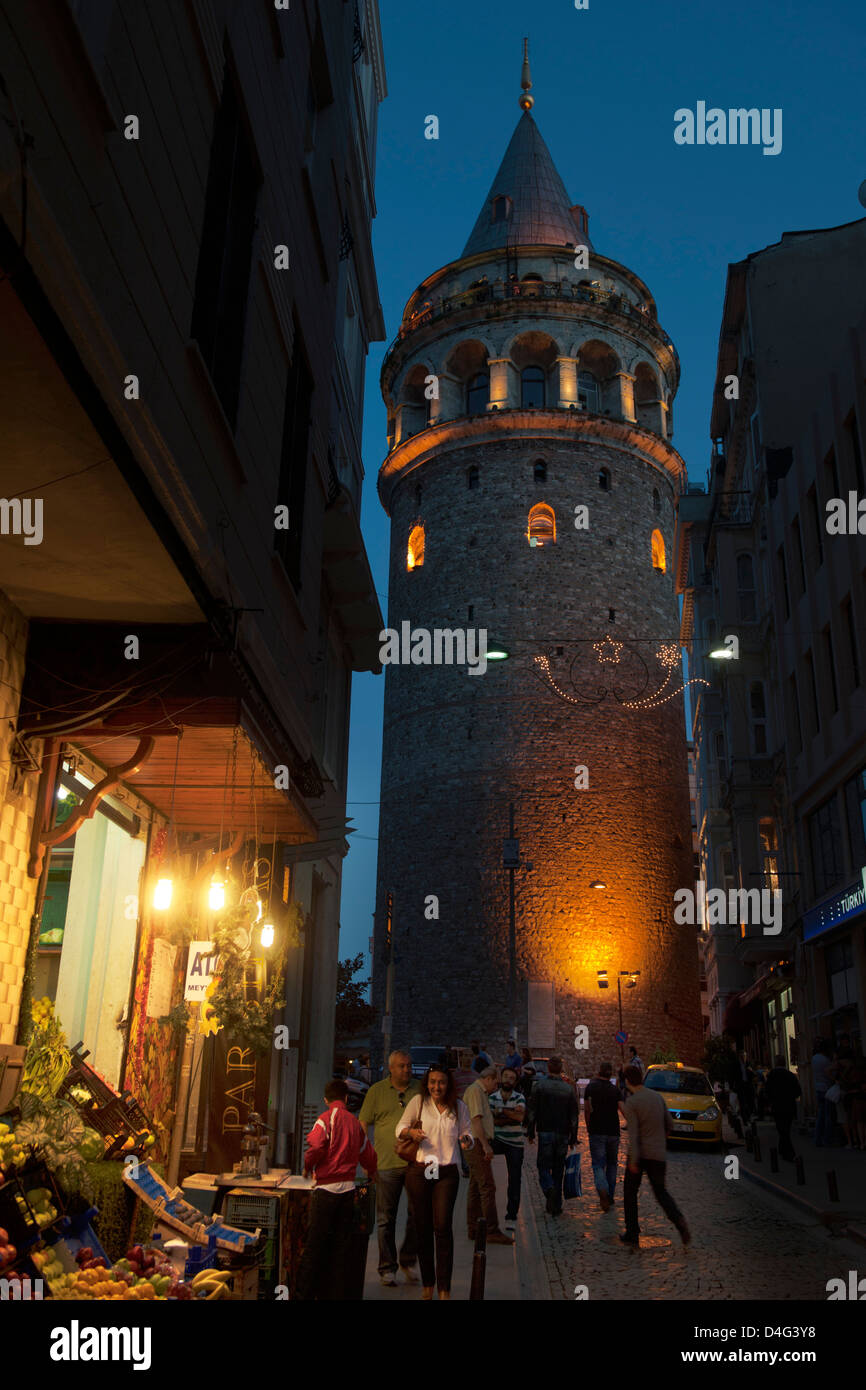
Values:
[(337, 1144)]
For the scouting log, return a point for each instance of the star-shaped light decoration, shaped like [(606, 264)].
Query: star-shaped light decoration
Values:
[(668, 654), (607, 650)]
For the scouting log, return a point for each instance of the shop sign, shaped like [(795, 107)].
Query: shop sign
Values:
[(849, 903), (200, 970)]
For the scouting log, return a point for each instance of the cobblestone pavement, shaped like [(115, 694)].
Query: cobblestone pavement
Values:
[(746, 1244)]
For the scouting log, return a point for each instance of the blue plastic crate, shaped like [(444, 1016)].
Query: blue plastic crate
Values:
[(200, 1257), (76, 1232)]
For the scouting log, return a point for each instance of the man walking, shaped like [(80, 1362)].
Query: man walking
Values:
[(744, 1082), (648, 1125), (383, 1105), (514, 1059), (480, 1060), (635, 1061), (783, 1092), (481, 1197), (554, 1115), (601, 1111), (337, 1144), (821, 1084), (508, 1106)]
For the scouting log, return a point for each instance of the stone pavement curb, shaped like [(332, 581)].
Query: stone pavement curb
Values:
[(534, 1286), (822, 1214)]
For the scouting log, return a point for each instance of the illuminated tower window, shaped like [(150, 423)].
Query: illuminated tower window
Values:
[(542, 525), (415, 553), (658, 551)]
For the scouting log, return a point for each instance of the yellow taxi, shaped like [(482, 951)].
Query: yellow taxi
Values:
[(689, 1097)]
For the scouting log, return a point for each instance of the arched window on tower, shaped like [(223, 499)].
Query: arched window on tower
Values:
[(539, 471), (415, 553), (542, 525), (477, 393), (604, 479), (657, 501), (658, 551), (588, 392), (500, 208), (532, 387), (472, 477)]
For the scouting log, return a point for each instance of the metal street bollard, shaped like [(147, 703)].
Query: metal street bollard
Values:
[(479, 1261), (801, 1172), (832, 1185), (774, 1160)]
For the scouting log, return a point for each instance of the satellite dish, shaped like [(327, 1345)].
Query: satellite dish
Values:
[(861, 193)]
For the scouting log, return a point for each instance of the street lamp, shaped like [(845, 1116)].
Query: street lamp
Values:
[(496, 651), (631, 983)]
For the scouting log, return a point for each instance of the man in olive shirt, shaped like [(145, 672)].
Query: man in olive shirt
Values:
[(481, 1197), (648, 1125), (383, 1105)]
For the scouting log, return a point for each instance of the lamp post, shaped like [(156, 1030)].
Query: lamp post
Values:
[(631, 976)]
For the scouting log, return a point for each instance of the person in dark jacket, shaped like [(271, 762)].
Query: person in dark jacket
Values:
[(553, 1114), (782, 1093)]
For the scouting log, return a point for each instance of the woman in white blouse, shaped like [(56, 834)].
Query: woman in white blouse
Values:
[(441, 1125)]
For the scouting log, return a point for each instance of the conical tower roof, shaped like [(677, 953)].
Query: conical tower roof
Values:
[(538, 212)]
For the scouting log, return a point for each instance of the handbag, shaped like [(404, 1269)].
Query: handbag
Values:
[(407, 1149), (834, 1094), (571, 1187)]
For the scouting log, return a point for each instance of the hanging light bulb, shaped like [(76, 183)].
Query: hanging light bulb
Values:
[(216, 897), (267, 936), (162, 894)]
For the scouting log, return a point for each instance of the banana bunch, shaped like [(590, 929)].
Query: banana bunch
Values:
[(48, 1058), (212, 1283)]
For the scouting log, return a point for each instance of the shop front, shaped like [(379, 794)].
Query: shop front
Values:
[(834, 936)]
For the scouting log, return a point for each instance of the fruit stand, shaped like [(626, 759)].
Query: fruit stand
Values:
[(62, 1120)]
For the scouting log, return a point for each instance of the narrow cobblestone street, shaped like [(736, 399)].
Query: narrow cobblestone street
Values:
[(746, 1244)]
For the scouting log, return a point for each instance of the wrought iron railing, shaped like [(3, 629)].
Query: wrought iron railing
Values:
[(558, 291)]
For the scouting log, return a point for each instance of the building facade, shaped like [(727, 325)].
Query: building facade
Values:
[(780, 737), (188, 294), (531, 485)]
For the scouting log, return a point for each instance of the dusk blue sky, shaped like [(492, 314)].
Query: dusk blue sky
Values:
[(606, 83)]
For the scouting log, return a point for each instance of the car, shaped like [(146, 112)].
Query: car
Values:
[(424, 1057), (692, 1105), (357, 1091)]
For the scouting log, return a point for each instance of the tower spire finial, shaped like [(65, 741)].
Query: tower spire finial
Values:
[(526, 101)]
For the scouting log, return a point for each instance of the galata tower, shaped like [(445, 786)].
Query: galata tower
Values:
[(532, 489)]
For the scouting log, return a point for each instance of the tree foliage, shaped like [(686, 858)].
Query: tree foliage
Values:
[(353, 1013)]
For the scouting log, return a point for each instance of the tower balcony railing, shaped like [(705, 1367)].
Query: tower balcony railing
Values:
[(555, 291)]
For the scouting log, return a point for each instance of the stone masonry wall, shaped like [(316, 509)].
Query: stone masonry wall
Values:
[(458, 748)]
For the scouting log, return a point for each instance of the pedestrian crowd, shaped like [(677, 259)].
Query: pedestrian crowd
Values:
[(424, 1135)]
